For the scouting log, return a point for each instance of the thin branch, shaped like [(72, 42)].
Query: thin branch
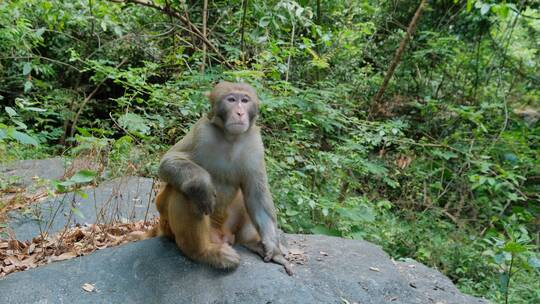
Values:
[(523, 15), (87, 99), (290, 54), (223, 14), (125, 131), (183, 19), (205, 17), (44, 58), (242, 29)]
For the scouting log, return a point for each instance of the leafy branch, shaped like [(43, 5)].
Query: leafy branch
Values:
[(173, 13)]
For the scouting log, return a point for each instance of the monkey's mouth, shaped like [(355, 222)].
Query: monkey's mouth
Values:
[(237, 127)]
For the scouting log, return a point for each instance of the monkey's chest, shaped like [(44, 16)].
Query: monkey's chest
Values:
[(225, 194), (225, 168), (224, 164)]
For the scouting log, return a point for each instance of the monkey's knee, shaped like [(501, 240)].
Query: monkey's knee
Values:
[(161, 198), (247, 234)]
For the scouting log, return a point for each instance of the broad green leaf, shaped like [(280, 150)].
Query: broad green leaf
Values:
[(27, 68), (291, 212), (325, 211), (134, 123), (469, 5), (501, 10), (10, 111), (103, 25), (357, 235), (534, 262), (485, 8), (499, 258), (325, 231), (83, 176), (82, 194), (358, 214), (374, 168), (77, 212), (514, 248), (20, 124), (263, 22), (35, 109), (28, 86), (23, 138), (445, 154), (40, 31)]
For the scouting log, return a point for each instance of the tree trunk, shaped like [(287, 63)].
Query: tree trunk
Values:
[(399, 52)]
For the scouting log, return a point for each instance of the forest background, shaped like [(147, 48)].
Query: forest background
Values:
[(440, 164)]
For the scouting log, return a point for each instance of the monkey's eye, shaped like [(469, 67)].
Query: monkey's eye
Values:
[(231, 99), (245, 100)]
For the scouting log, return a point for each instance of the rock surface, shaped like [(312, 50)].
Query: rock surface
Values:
[(124, 199), (431, 283), (26, 170), (154, 271), (332, 270)]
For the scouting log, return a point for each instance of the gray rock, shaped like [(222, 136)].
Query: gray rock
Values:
[(124, 199), (433, 284), (26, 170), (154, 271)]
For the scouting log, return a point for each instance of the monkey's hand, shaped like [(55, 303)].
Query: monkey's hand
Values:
[(201, 192), (273, 252)]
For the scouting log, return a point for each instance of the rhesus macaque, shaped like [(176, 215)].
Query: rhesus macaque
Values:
[(216, 192)]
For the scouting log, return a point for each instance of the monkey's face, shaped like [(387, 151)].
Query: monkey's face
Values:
[(237, 111)]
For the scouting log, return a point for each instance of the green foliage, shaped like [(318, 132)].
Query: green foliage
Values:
[(81, 177), (446, 171)]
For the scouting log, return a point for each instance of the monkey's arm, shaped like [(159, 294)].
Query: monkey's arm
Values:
[(177, 169), (260, 208)]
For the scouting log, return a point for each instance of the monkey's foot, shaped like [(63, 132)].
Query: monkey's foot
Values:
[(225, 258), (278, 259)]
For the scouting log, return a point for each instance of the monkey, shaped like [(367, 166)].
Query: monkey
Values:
[(215, 190)]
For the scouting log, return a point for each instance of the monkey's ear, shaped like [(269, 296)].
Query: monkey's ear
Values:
[(207, 94)]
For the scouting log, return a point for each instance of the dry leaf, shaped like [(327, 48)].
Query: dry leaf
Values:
[(64, 256), (15, 261), (136, 235), (77, 241), (8, 269), (88, 287), (374, 269), (31, 248), (296, 251), (323, 253), (15, 245)]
